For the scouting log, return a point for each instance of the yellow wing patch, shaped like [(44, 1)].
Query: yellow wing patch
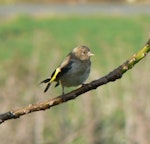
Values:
[(58, 70)]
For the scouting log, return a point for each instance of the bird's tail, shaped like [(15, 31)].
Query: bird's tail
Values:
[(46, 81), (54, 76)]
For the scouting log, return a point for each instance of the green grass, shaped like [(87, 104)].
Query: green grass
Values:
[(68, 32), (30, 49), (104, 35)]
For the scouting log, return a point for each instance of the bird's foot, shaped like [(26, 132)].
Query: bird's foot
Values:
[(83, 84), (63, 97)]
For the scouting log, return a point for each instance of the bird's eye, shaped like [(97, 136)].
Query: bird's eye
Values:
[(84, 53)]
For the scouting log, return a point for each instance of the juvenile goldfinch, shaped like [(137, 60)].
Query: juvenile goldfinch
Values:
[(73, 71)]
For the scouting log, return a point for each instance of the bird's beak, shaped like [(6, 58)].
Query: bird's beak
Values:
[(90, 54)]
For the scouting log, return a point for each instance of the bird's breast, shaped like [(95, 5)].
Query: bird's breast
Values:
[(78, 73)]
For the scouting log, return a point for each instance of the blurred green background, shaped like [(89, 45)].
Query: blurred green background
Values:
[(31, 48)]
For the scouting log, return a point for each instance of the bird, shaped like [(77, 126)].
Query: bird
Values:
[(74, 69)]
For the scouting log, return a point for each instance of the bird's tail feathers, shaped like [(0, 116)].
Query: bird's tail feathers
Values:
[(50, 80), (57, 84), (47, 87), (45, 81)]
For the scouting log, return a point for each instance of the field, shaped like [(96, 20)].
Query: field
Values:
[(117, 113)]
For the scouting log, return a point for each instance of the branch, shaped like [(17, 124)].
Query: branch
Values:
[(112, 76)]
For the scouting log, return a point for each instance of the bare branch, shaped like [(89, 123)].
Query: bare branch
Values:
[(112, 76)]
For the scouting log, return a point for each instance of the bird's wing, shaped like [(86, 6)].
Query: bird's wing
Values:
[(59, 72), (53, 78), (62, 69)]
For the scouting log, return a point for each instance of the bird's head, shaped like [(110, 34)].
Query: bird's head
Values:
[(82, 52)]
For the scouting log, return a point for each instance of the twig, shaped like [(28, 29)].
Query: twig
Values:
[(112, 76)]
